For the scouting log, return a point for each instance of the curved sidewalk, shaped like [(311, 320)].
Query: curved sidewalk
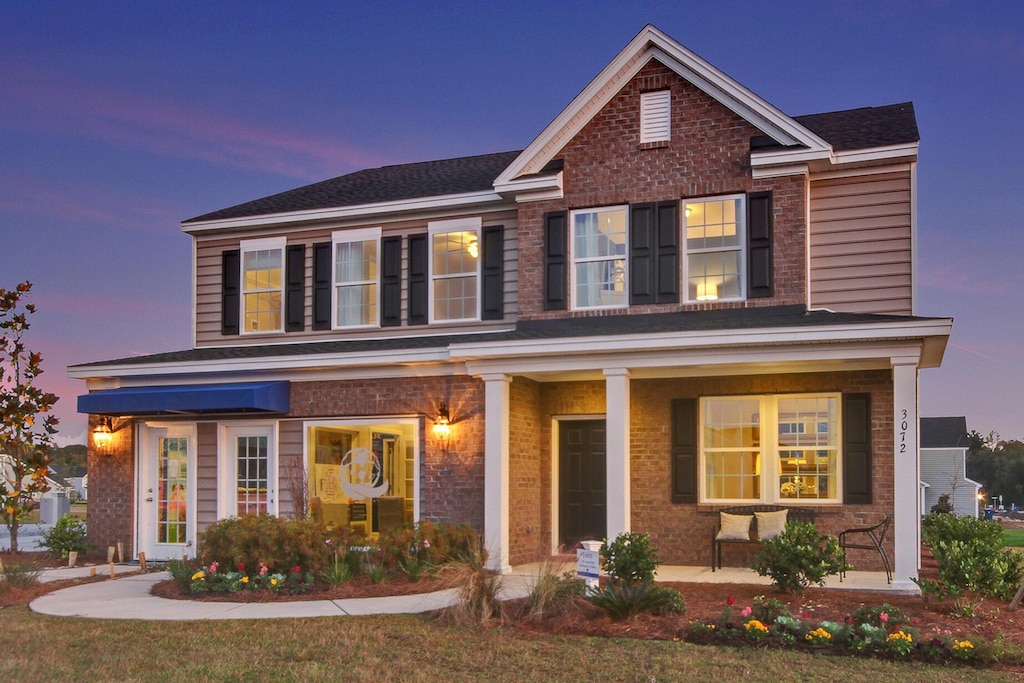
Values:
[(128, 597)]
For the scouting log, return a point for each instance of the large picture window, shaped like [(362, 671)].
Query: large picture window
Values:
[(598, 249), (715, 238), (770, 448), (262, 285), (356, 277), (455, 270)]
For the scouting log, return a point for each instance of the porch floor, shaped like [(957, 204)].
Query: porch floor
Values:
[(854, 580)]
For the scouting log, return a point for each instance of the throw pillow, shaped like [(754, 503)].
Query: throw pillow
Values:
[(734, 527), (770, 524)]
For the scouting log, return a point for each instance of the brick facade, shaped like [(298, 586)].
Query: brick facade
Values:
[(709, 154), (111, 511)]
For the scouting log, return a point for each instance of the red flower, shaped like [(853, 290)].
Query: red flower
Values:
[(296, 569), (730, 601), (241, 566)]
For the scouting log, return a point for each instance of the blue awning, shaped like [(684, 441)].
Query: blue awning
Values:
[(189, 399)]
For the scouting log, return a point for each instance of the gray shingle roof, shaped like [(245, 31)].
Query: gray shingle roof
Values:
[(607, 325), (944, 432), (849, 129)]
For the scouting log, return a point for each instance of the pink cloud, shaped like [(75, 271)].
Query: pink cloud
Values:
[(174, 129)]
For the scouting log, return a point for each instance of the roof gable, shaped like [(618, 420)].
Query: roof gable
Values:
[(944, 432), (653, 44)]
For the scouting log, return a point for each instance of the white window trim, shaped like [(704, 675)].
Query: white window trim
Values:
[(656, 116), (265, 244), (227, 467), (349, 236), (573, 261), (770, 460), (474, 224), (741, 230)]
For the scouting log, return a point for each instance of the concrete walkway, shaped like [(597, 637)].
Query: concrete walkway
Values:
[(128, 596)]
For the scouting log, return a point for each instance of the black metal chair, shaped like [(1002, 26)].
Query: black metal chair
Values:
[(875, 541)]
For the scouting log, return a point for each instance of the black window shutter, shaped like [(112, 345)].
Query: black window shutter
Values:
[(556, 261), (642, 254), (230, 291), (295, 288), (759, 245), (667, 262), (418, 293), (493, 286), (391, 281), (323, 266), (684, 450), (856, 448)]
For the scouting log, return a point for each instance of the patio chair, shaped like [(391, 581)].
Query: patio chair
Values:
[(867, 538)]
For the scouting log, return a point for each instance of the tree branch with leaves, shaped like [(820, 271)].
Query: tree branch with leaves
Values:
[(25, 439)]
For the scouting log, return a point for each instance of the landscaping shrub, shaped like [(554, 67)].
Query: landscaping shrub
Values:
[(798, 557), (971, 559), (553, 592), (627, 600), (478, 590), (630, 559), (67, 535), (415, 549), (17, 575)]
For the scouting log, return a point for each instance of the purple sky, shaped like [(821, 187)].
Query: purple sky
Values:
[(119, 120)]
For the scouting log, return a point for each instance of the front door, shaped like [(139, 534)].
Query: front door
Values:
[(582, 481), (167, 492)]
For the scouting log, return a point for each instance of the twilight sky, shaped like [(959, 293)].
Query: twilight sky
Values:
[(120, 119)]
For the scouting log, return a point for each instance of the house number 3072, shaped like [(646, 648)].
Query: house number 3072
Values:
[(903, 431)]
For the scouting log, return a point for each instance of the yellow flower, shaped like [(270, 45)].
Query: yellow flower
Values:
[(273, 582), (900, 635), (245, 579), (198, 576), (818, 634), (963, 645), (755, 625)]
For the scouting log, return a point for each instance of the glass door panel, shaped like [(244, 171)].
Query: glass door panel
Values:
[(172, 487)]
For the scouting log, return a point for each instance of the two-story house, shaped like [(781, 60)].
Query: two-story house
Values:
[(675, 299)]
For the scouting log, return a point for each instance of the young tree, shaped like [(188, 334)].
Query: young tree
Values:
[(24, 438)]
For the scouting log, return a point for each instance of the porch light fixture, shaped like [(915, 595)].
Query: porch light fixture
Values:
[(443, 421), (104, 433), (707, 291)]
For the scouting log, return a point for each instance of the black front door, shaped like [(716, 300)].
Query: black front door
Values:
[(582, 484)]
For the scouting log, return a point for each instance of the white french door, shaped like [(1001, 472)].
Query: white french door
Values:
[(247, 470), (166, 495)]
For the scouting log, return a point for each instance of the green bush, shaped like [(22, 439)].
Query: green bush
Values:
[(414, 548), (630, 559), (17, 575), (798, 557), (971, 558), (278, 543), (67, 535)]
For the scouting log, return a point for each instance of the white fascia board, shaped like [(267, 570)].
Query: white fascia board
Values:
[(531, 185), (780, 171), (721, 339), (452, 201), (788, 156), (652, 43), (709, 361), (875, 154)]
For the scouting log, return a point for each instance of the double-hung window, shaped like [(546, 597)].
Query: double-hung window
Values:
[(355, 267), (715, 230), (782, 448), (455, 270), (262, 284), (598, 250)]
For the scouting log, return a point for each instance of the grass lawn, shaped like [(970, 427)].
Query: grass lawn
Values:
[(1013, 538), (397, 648)]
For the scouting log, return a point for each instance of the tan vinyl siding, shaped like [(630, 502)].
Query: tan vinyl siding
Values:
[(206, 474), (208, 284), (291, 468), (860, 244)]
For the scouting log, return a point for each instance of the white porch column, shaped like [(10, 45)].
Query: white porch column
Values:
[(617, 455), (496, 474), (906, 475)]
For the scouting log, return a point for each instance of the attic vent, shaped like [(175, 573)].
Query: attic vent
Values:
[(655, 116)]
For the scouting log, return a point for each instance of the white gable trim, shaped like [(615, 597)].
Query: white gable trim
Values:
[(652, 43)]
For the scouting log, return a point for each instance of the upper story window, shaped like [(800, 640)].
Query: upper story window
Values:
[(598, 249), (262, 284), (356, 290), (656, 116), (715, 237), (771, 448), (455, 269)]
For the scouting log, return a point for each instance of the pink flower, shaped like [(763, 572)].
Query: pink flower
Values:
[(213, 567), (730, 601), (263, 569), (883, 617), (329, 542), (426, 543), (745, 612)]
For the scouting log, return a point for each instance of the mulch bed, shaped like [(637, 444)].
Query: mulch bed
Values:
[(358, 587)]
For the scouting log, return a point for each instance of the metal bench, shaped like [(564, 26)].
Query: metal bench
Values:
[(793, 514)]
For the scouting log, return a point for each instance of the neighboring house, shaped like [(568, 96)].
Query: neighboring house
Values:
[(75, 480), (944, 465), (7, 473), (677, 298)]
